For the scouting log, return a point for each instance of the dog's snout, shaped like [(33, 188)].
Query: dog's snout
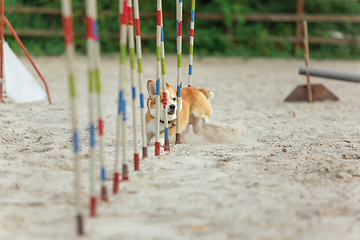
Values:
[(172, 106)]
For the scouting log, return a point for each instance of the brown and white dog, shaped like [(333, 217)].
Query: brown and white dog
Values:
[(194, 106)]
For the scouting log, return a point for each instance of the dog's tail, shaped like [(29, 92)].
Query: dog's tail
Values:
[(208, 94)]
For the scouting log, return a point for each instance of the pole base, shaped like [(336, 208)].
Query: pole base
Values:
[(104, 195), (136, 162), (144, 151), (157, 148), (125, 176), (319, 93), (93, 206), (178, 139), (116, 182), (80, 225)]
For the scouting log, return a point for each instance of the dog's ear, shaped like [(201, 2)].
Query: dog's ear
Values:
[(151, 87), (168, 85)]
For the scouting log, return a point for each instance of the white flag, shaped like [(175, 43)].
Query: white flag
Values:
[(21, 87)]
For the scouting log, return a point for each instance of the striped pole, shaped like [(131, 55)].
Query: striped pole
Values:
[(158, 72), (167, 142), (179, 10), (141, 85), (133, 84), (121, 102), (191, 50), (94, 55), (92, 123), (67, 22)]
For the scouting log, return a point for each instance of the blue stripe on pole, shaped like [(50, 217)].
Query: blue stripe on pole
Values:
[(124, 110), (190, 69), (180, 1), (92, 136), (177, 28), (178, 93), (166, 133), (96, 30), (158, 87), (162, 34), (192, 15), (103, 174), (120, 101), (76, 142), (133, 92), (142, 100)]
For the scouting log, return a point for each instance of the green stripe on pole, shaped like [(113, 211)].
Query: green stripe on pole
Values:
[(163, 66), (193, 5), (91, 81), (139, 65), (158, 53), (132, 58), (123, 54), (97, 80), (179, 60), (72, 86), (191, 50)]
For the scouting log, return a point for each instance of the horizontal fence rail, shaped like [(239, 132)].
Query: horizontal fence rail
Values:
[(296, 18)]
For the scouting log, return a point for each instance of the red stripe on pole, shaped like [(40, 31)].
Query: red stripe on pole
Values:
[(180, 28), (93, 206), (68, 30), (191, 32), (130, 16), (164, 99), (137, 27), (158, 17), (116, 182), (101, 127), (89, 27), (124, 15)]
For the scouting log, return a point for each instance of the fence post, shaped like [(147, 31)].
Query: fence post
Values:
[(299, 11)]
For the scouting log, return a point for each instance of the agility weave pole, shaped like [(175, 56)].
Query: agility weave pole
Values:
[(179, 10), (133, 84), (121, 117), (158, 72), (91, 37), (67, 21), (165, 97), (141, 85), (94, 55), (191, 48)]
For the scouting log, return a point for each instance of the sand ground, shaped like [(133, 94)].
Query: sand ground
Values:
[(292, 173)]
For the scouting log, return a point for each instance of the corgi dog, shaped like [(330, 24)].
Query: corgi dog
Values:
[(194, 107)]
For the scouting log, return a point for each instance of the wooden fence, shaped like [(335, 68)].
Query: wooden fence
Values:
[(296, 18)]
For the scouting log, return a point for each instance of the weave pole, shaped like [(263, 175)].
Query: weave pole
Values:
[(141, 85), (191, 49), (179, 10), (166, 123), (133, 84), (121, 103), (158, 72), (91, 37), (94, 55), (67, 21)]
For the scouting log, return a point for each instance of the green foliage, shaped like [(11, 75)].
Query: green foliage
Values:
[(227, 37)]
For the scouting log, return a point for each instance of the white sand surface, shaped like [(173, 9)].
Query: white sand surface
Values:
[(292, 172)]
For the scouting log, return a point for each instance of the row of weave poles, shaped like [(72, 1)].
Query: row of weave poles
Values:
[(93, 51)]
